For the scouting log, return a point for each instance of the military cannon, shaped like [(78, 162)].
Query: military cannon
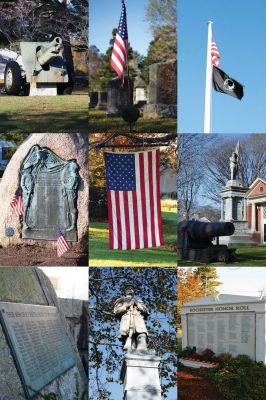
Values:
[(195, 241), (45, 68)]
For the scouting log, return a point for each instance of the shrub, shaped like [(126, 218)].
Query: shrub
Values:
[(240, 378), (187, 352), (98, 203)]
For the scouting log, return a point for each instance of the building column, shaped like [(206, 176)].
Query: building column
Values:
[(245, 209), (253, 217), (222, 209)]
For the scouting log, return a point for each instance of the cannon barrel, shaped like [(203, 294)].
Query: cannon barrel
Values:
[(47, 53), (207, 230)]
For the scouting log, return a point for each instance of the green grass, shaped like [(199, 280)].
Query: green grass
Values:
[(101, 255), (44, 114), (99, 122), (245, 256)]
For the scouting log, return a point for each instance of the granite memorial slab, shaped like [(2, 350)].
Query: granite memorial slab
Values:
[(38, 342), (226, 324), (49, 195)]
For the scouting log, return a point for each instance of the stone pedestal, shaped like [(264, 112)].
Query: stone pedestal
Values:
[(118, 97), (42, 89), (162, 101), (234, 209), (140, 376)]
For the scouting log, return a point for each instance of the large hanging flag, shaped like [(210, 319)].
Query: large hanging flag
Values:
[(133, 191), (225, 84), (16, 202), (120, 48), (62, 245)]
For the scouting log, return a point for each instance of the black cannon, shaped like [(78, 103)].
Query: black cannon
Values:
[(195, 241)]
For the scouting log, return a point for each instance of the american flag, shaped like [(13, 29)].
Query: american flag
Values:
[(16, 202), (119, 52), (62, 245), (133, 192), (215, 55)]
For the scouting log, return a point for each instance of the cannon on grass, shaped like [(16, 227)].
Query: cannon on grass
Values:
[(195, 241), (45, 68)]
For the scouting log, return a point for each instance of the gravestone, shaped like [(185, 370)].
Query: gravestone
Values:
[(118, 96), (36, 346), (162, 100), (102, 101), (93, 99), (49, 194), (53, 171), (227, 324)]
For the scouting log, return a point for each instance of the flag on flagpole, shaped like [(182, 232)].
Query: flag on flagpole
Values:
[(225, 84), (120, 48), (16, 202), (62, 245), (215, 55), (133, 192)]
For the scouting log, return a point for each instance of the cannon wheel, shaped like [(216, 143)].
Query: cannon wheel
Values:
[(12, 78), (64, 88)]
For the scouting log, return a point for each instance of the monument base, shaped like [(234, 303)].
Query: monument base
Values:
[(42, 89), (241, 237), (140, 375), (155, 111)]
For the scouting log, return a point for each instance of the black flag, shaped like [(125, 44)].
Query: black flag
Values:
[(225, 84)]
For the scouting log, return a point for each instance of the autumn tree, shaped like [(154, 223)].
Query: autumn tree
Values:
[(157, 287), (209, 279), (189, 288)]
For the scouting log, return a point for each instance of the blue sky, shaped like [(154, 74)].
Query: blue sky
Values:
[(104, 16), (239, 30)]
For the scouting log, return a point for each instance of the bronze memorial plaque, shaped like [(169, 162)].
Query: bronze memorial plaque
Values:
[(38, 342), (49, 188)]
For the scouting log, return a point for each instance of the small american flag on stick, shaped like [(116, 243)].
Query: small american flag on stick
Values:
[(16, 202), (120, 49), (62, 245)]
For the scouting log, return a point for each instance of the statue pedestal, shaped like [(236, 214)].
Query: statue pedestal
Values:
[(234, 209), (140, 375)]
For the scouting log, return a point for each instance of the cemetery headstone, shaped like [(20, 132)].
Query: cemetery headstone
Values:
[(162, 100), (118, 96)]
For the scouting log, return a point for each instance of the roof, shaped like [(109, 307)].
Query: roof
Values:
[(223, 299)]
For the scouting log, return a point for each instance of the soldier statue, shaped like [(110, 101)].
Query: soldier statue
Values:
[(132, 314), (234, 162)]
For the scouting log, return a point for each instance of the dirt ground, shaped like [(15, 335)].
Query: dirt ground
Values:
[(193, 387), (37, 255)]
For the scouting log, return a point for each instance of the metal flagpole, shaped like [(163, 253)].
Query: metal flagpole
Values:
[(208, 87)]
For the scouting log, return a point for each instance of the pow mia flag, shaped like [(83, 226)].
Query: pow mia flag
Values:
[(225, 84)]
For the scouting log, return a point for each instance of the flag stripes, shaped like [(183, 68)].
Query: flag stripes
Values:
[(215, 55), (120, 49), (16, 203), (135, 216), (62, 245)]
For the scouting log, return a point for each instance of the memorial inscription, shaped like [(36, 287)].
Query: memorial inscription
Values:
[(232, 333), (38, 342), (49, 195)]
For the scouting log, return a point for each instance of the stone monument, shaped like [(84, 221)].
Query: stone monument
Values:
[(139, 373), (118, 96), (37, 350), (226, 324), (162, 98), (233, 205), (51, 170), (102, 101)]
